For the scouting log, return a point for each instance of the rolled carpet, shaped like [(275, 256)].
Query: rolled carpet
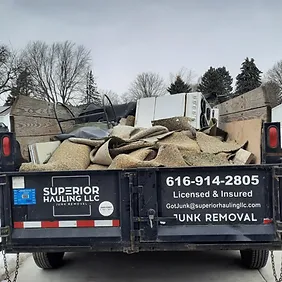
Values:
[(131, 147), (163, 159), (124, 161), (105, 154), (148, 133), (205, 159), (170, 156), (88, 142), (130, 133), (212, 145), (181, 140), (102, 156), (176, 124), (143, 154)]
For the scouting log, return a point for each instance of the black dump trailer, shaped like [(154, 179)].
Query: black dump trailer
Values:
[(148, 209)]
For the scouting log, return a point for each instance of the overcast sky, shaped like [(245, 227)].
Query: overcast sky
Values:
[(131, 36)]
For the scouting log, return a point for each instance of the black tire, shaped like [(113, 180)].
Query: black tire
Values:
[(254, 259), (48, 260)]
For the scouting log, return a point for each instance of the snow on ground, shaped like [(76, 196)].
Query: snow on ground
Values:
[(11, 260)]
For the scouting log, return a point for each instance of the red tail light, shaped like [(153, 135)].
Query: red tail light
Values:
[(6, 146), (273, 137), (267, 221)]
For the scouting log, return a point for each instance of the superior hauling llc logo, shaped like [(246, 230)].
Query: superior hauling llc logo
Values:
[(71, 194)]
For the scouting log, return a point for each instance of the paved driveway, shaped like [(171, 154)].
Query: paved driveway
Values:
[(149, 267)]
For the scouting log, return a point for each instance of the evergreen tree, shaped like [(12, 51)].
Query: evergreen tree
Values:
[(179, 86), (226, 85), (249, 78), (24, 86), (12, 97), (92, 95), (216, 85)]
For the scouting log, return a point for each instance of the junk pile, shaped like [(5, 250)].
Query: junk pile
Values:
[(170, 142)]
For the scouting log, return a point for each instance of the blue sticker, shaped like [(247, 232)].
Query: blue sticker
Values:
[(24, 197)]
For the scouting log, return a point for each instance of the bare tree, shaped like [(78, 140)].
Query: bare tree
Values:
[(10, 67), (147, 84), (126, 98), (275, 75), (188, 76), (115, 99), (273, 92), (59, 70)]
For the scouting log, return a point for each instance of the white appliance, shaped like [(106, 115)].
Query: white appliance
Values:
[(40, 152), (192, 105), (145, 111), (198, 108), (170, 106)]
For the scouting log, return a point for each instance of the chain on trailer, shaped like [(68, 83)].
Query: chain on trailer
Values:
[(7, 273), (274, 268)]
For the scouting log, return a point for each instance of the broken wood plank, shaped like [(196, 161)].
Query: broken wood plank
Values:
[(261, 113), (37, 126), (27, 106), (246, 130), (251, 100), (243, 157)]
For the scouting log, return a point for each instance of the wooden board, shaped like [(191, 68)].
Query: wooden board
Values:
[(261, 113), (38, 126), (246, 130), (26, 106), (243, 157), (254, 99), (254, 104), (34, 121)]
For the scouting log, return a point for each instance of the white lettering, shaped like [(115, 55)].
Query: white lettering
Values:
[(217, 217), (208, 217), (240, 194), (189, 195), (232, 217), (75, 190), (222, 217), (188, 217), (91, 198), (46, 191), (71, 194), (69, 191), (87, 190), (61, 190), (241, 217), (95, 189)]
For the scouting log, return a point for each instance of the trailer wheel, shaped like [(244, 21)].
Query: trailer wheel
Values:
[(48, 260), (254, 259)]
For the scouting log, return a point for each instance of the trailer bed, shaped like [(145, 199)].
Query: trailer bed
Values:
[(230, 207)]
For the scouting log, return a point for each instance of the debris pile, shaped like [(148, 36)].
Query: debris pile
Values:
[(171, 142)]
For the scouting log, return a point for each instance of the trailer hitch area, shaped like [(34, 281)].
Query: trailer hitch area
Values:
[(278, 278), (151, 215), (152, 218), (130, 251)]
